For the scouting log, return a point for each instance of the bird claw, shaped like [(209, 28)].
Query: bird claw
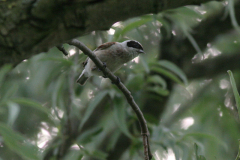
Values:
[(118, 80), (104, 65)]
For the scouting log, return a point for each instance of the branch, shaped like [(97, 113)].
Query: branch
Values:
[(61, 48), (125, 91), (34, 26), (214, 66)]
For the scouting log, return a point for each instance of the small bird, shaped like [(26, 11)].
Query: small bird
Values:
[(113, 55)]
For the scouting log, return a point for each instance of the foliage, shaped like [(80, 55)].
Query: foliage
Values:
[(43, 110)]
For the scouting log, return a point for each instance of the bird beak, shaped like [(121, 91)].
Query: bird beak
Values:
[(141, 51)]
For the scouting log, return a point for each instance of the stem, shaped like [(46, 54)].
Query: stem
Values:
[(125, 91)]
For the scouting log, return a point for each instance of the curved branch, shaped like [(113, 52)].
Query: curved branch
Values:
[(125, 91)]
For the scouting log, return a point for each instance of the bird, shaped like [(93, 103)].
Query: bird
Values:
[(113, 55)]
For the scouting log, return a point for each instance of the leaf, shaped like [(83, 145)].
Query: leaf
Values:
[(120, 116), (4, 70), (87, 136), (144, 64), (187, 11), (33, 104), (201, 157), (64, 61), (206, 136), (175, 69), (198, 157), (238, 155), (93, 104), (158, 90), (196, 150), (135, 82), (166, 73), (10, 92), (99, 155), (235, 91), (157, 80), (17, 143), (132, 26), (113, 140), (13, 112)]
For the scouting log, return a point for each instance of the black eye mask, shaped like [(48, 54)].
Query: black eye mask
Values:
[(134, 44)]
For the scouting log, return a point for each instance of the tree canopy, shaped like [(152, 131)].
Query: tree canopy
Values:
[(181, 84)]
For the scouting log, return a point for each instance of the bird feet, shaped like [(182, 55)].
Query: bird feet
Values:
[(104, 64), (118, 80)]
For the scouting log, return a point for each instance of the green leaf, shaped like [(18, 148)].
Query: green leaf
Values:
[(18, 144), (196, 150), (205, 136), (238, 155), (120, 116), (166, 73), (113, 139), (63, 61), (175, 69), (144, 64), (235, 91), (10, 92), (133, 25), (93, 104), (99, 155), (135, 82), (87, 136), (201, 157), (13, 110), (187, 11), (157, 80), (158, 90), (4, 70), (33, 104)]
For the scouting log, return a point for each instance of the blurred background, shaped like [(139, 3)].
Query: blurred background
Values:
[(181, 85)]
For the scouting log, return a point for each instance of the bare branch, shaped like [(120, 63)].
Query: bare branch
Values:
[(61, 48), (125, 91)]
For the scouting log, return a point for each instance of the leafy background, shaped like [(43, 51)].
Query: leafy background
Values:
[(191, 115)]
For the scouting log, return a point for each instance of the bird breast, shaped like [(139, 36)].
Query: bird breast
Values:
[(114, 57)]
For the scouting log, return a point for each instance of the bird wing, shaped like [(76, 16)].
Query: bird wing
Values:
[(85, 62), (105, 46), (101, 47)]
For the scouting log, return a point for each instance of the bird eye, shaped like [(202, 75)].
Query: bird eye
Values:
[(134, 44)]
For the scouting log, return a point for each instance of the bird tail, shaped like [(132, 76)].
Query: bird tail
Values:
[(82, 79)]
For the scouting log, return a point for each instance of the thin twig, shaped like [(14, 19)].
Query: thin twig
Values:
[(61, 48), (125, 91)]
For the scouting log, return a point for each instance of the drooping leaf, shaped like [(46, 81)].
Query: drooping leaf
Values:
[(120, 116), (175, 69), (13, 111), (235, 91), (93, 104), (31, 103), (4, 70), (87, 136), (158, 90), (18, 144), (157, 80), (166, 73), (133, 25), (238, 155), (10, 92)]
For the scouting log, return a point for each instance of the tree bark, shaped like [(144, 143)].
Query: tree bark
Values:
[(30, 27)]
